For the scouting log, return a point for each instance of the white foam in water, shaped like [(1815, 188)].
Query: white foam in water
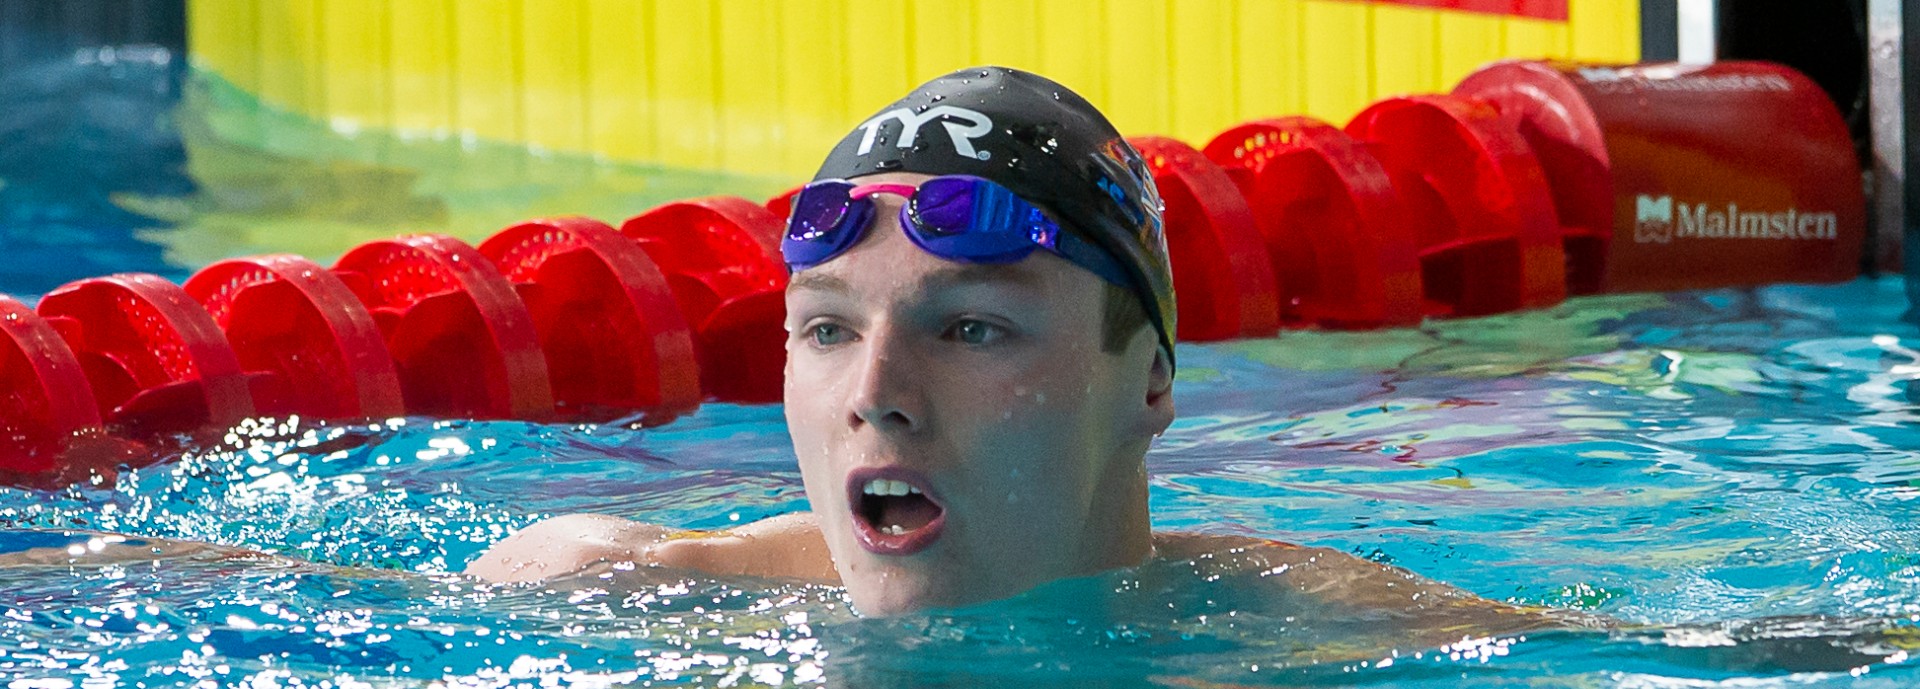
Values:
[(1729, 473)]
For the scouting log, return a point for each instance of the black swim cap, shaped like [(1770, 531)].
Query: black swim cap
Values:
[(1040, 140)]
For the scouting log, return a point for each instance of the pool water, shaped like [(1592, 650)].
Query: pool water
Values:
[(1731, 473)]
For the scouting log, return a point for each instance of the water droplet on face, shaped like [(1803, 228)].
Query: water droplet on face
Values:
[(887, 165), (1013, 162), (1056, 95), (984, 74), (937, 98)]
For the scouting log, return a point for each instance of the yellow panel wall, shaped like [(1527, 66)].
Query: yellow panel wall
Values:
[(486, 69), (553, 72), (1272, 75), (619, 100), (1139, 91), (419, 54), (766, 86)]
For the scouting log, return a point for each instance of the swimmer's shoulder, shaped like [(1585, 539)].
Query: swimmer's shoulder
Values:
[(563, 545), (1332, 574), (788, 546), (783, 547), (1345, 585), (1184, 545)]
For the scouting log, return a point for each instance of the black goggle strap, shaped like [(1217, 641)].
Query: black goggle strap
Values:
[(1093, 258)]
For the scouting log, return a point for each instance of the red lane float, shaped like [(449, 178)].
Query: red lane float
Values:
[(1471, 188), (614, 338), (44, 396), (302, 333), (721, 256), (464, 344), (1534, 178), (1687, 177), (782, 206), (1331, 221), (1223, 282), (157, 363)]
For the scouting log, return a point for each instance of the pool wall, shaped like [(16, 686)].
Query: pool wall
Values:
[(1466, 220), (763, 87)]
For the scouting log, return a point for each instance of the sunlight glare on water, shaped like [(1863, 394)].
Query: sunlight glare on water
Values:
[(1730, 473)]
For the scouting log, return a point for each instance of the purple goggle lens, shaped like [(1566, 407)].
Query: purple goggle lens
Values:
[(956, 217)]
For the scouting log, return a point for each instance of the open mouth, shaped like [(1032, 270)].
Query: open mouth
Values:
[(892, 513)]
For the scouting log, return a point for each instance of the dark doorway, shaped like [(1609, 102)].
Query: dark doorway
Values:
[(1825, 39)]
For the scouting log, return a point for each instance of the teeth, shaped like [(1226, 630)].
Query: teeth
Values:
[(895, 530), (881, 486)]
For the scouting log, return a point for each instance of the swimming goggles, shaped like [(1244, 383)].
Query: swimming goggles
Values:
[(956, 217)]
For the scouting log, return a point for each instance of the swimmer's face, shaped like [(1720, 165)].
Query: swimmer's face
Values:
[(961, 433)]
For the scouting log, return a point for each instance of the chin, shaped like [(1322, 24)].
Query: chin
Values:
[(888, 591)]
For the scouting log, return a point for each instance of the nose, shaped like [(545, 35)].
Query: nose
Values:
[(889, 393)]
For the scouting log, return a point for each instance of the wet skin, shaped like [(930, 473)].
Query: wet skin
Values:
[(985, 389), (1019, 444)]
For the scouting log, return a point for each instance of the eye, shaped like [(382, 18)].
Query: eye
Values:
[(824, 335), (975, 332)]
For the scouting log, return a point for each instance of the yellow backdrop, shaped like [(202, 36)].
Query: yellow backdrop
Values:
[(766, 86)]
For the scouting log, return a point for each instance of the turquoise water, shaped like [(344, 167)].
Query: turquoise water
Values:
[(1731, 473)]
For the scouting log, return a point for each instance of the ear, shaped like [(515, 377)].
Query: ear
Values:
[(1159, 408)]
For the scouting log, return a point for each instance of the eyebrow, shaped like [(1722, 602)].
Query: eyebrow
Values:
[(932, 283), (977, 274), (818, 282), (960, 275)]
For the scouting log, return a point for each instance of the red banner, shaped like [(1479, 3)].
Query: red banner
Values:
[(1555, 10)]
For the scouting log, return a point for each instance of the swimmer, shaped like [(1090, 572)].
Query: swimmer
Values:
[(980, 351)]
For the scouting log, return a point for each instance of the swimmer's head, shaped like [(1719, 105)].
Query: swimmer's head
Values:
[(1046, 144), (971, 402)]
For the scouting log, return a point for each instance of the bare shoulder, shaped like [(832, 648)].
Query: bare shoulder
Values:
[(787, 546), (563, 545), (1342, 585)]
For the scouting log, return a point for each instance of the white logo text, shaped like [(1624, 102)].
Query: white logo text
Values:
[(1655, 221), (962, 125)]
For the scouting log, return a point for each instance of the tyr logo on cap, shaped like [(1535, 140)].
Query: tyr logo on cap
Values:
[(975, 125)]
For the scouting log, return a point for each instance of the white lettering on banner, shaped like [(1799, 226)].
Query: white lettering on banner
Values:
[(1655, 222), (971, 125)]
